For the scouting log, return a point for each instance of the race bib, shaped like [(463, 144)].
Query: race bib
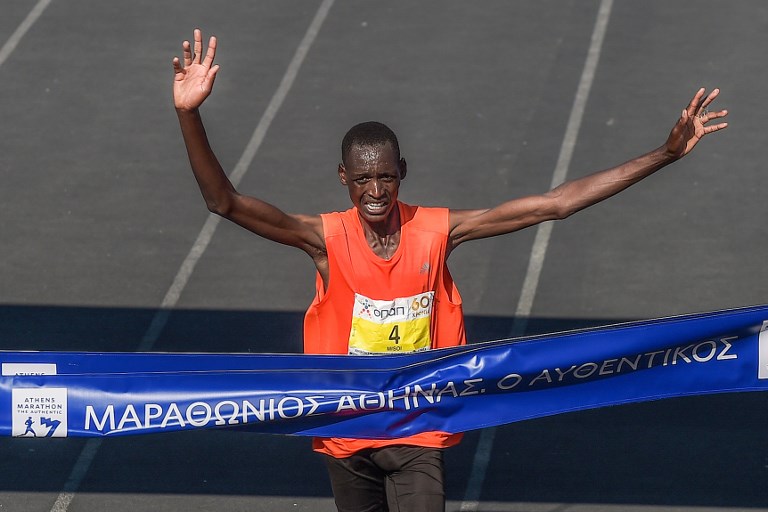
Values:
[(393, 326)]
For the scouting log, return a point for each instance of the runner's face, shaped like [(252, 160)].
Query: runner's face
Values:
[(372, 175)]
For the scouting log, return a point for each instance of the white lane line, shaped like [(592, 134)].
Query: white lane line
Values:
[(87, 455), (539, 250), (171, 298), (22, 29)]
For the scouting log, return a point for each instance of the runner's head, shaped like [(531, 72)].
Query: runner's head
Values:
[(371, 169), (369, 133)]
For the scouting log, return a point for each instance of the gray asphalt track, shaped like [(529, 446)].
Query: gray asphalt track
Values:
[(98, 210)]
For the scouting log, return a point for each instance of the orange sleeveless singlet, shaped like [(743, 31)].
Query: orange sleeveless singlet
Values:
[(373, 306)]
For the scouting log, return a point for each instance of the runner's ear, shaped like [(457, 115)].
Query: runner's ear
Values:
[(342, 175), (403, 168)]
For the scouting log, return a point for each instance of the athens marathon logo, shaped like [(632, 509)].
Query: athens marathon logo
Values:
[(39, 412)]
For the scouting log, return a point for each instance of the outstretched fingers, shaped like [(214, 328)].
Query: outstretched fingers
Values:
[(719, 126), (193, 55), (710, 97), (194, 72), (696, 102), (702, 114), (692, 125), (211, 53), (210, 77), (187, 52), (198, 37), (178, 71)]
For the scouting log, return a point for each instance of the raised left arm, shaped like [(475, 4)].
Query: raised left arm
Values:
[(573, 196)]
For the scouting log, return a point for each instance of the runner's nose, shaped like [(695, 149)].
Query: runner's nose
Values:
[(376, 189)]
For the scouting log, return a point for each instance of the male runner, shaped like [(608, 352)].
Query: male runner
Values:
[(382, 281)]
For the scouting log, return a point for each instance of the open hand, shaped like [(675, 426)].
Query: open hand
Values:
[(692, 125), (193, 82)]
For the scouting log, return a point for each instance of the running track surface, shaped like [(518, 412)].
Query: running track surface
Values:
[(98, 211)]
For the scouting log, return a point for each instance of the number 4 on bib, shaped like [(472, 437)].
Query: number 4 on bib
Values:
[(394, 335)]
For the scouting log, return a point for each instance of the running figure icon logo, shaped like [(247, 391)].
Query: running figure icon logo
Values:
[(29, 429), (48, 423)]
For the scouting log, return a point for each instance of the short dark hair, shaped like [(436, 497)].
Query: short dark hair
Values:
[(370, 133)]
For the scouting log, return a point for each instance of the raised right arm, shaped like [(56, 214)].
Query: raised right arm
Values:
[(192, 84)]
